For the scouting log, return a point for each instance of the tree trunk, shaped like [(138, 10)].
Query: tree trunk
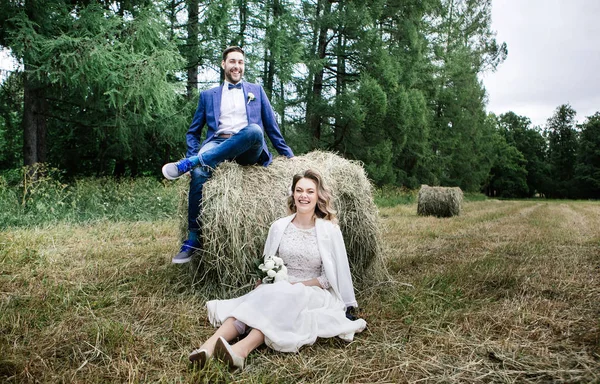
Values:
[(270, 73), (340, 82), (267, 52), (282, 126), (243, 22), (313, 116), (192, 48), (34, 123), (34, 109)]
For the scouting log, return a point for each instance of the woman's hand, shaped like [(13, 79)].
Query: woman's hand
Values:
[(258, 282)]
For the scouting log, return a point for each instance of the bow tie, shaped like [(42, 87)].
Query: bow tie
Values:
[(232, 86)]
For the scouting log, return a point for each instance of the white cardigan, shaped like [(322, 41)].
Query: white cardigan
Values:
[(333, 255)]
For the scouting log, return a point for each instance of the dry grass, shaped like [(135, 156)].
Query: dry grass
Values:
[(507, 292)]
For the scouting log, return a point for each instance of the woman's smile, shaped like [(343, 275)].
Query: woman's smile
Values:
[(305, 195)]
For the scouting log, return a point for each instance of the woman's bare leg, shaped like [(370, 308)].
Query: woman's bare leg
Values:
[(227, 330), (249, 343)]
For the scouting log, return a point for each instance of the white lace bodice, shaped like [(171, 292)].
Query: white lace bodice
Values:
[(300, 254)]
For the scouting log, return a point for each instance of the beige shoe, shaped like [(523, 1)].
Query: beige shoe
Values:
[(224, 353), (200, 356)]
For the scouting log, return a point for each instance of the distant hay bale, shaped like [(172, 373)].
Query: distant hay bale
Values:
[(241, 202), (439, 201)]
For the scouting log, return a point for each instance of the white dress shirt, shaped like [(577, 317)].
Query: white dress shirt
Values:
[(233, 111)]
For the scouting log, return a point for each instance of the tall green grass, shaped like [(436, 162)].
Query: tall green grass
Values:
[(41, 196), (45, 199), (390, 196)]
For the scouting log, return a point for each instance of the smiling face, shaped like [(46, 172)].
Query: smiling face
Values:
[(309, 194), (233, 66), (305, 196)]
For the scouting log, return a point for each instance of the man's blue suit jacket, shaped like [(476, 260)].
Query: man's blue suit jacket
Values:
[(258, 111)]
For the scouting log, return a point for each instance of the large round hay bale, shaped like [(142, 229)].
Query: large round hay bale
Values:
[(439, 201), (241, 202)]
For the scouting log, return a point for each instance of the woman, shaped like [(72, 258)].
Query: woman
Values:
[(289, 314)]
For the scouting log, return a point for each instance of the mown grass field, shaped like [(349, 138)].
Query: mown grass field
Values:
[(509, 292)]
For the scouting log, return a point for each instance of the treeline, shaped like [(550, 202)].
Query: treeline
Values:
[(109, 88), (560, 161)]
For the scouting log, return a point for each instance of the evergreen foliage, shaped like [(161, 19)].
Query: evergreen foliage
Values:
[(530, 143), (508, 174), (11, 111), (106, 81), (562, 152), (587, 168), (109, 88)]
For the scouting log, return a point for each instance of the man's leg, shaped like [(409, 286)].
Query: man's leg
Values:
[(199, 176), (247, 141), (245, 147)]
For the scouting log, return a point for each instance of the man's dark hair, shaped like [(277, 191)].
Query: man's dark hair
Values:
[(232, 49)]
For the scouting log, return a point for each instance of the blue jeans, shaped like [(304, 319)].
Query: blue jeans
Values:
[(245, 147)]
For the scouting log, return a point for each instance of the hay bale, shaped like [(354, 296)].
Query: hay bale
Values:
[(241, 202), (439, 201)]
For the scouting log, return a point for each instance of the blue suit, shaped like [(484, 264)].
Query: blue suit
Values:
[(246, 147), (258, 111)]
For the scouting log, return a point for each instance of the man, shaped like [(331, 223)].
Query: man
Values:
[(237, 115)]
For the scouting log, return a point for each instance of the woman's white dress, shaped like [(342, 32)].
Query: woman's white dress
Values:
[(291, 315)]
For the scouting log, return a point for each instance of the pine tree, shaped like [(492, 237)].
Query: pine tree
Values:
[(529, 141), (587, 169), (508, 176), (562, 152), (11, 113), (96, 81), (463, 45)]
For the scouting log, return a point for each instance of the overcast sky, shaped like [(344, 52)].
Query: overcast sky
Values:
[(553, 58), (5, 61)]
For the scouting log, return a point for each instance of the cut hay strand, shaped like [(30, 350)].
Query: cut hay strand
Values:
[(439, 201), (241, 202)]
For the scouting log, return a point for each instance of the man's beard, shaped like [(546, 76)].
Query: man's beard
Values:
[(229, 77)]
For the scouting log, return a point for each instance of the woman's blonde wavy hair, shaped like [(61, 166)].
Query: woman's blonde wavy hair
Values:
[(324, 208)]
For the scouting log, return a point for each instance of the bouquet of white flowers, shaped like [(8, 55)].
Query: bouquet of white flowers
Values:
[(272, 270)]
